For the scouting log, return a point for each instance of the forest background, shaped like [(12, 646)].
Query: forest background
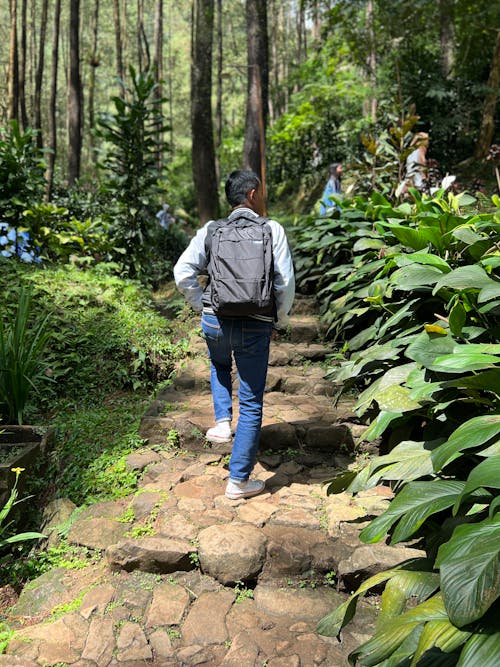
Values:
[(331, 73)]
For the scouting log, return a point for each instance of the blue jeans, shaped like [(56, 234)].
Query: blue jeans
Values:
[(248, 340)]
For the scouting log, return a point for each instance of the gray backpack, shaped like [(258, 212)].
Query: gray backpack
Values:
[(240, 267)]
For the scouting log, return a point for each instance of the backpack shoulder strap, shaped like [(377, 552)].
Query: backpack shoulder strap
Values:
[(210, 232)]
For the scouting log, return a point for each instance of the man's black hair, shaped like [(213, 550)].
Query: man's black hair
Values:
[(238, 184)]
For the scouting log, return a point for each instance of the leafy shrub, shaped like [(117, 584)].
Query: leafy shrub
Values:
[(22, 172), (59, 237), (105, 334), (129, 159), (22, 366), (415, 305)]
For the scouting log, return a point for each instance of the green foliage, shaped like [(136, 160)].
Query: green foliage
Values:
[(132, 136), (92, 443), (412, 292), (105, 334), (60, 237), (22, 364), (5, 511), (21, 173)]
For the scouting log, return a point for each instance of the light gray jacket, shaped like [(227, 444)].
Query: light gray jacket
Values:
[(193, 262)]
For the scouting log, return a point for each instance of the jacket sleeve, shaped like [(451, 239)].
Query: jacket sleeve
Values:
[(284, 277), (191, 264)]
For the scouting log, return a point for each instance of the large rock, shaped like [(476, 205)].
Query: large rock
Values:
[(292, 551), (206, 621), (151, 554), (296, 604), (132, 644), (232, 553), (96, 533), (329, 437), (169, 604), (366, 561), (278, 436), (55, 515), (51, 643)]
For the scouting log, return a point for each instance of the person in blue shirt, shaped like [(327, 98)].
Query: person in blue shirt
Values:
[(333, 187)]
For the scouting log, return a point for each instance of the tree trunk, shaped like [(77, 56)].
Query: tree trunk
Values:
[(94, 64), (218, 104), (52, 143), (23, 53), (446, 36), (371, 63), (74, 95), (120, 72), (37, 102), (257, 91), (203, 153), (13, 64), (158, 74), (487, 129)]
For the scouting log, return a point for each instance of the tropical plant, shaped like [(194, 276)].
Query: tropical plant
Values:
[(129, 159), (415, 306), (59, 236), (5, 511), (22, 171), (22, 365)]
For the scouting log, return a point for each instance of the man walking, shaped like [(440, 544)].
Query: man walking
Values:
[(245, 337)]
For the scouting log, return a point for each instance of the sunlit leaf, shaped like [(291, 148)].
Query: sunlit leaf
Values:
[(481, 650), (412, 506), (469, 567), (472, 433)]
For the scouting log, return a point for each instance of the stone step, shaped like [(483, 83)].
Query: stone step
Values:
[(218, 581)]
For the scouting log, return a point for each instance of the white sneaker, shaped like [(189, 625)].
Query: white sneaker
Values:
[(251, 487), (220, 433)]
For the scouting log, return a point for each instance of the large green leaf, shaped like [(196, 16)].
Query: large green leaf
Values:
[(488, 380), (469, 567), (407, 461), (379, 425), (417, 239), (423, 258), (472, 433), (396, 399), (466, 277), (440, 634), (384, 643), (485, 474), (333, 623), (400, 588), (482, 650), (464, 361), (412, 506), (415, 276), (427, 347)]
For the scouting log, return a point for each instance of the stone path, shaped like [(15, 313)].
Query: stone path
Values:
[(179, 575)]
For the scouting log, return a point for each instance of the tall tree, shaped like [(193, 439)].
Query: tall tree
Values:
[(13, 64), (120, 71), (446, 35), (487, 129), (52, 141), (23, 57), (257, 89), (39, 74), (203, 152), (94, 64), (158, 74), (74, 94)]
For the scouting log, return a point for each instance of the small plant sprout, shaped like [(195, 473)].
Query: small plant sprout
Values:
[(4, 512)]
